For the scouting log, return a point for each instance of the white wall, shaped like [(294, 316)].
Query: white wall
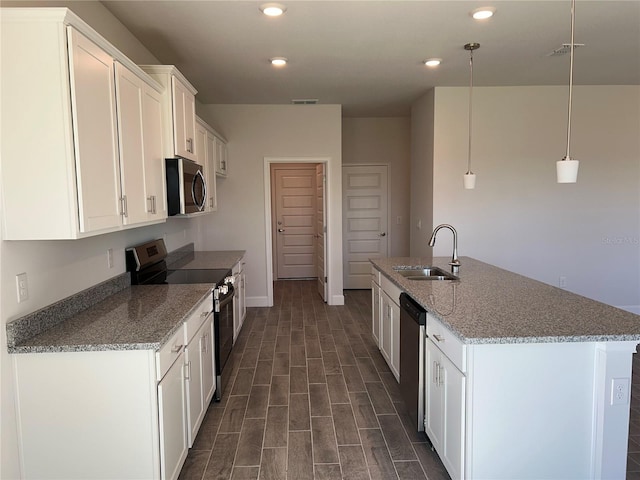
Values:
[(253, 133), (421, 175), (57, 269), (384, 141), (518, 217)]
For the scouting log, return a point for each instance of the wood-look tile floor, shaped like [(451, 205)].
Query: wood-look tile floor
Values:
[(309, 396)]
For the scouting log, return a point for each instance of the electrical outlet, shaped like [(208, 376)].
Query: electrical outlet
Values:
[(619, 391), (110, 258), (562, 281), (22, 287)]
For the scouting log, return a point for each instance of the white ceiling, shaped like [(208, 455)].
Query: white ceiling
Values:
[(367, 55)]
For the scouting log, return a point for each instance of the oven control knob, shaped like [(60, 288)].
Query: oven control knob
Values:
[(229, 280), (223, 289)]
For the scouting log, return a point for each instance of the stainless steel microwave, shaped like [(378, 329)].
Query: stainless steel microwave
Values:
[(186, 187)]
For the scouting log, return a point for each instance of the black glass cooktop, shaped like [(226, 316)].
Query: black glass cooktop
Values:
[(211, 276)]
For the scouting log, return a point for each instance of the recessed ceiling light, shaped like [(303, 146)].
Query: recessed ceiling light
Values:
[(483, 13), (273, 9), (433, 62), (278, 61)]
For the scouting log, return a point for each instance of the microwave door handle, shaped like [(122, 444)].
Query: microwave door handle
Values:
[(197, 203)]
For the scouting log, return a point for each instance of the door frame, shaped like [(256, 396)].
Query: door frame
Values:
[(268, 161)]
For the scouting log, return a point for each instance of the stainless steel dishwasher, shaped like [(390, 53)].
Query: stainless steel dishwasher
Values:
[(413, 320)]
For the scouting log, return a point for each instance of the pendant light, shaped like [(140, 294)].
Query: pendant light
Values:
[(567, 168), (470, 177)]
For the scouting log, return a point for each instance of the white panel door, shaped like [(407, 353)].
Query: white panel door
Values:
[(321, 223), (364, 221), (295, 217)]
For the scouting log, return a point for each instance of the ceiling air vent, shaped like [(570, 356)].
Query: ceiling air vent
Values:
[(305, 101), (564, 49)]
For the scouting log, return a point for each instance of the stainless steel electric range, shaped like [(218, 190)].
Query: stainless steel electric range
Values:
[(147, 264)]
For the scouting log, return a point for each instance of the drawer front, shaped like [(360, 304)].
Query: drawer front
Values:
[(169, 353), (197, 317), (391, 289), (375, 274), (447, 342)]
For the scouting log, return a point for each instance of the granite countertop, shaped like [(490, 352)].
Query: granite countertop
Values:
[(115, 315), (136, 318), (491, 305)]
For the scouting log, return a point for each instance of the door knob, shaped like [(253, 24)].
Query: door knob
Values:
[(281, 229), (383, 234)]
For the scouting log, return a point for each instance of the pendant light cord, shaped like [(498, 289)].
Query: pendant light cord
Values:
[(573, 19), (470, 107)]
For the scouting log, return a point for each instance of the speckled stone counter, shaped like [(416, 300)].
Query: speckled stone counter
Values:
[(136, 318), (208, 260), (491, 305)]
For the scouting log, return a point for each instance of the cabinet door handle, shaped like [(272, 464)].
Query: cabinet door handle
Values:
[(190, 145), (438, 338), (153, 204), (123, 200), (383, 234), (187, 371), (435, 372), (177, 349), (440, 375)]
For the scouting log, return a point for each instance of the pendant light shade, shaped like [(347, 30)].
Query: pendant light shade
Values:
[(567, 168), (469, 179)]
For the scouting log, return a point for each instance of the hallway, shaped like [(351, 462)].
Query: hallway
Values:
[(309, 396)]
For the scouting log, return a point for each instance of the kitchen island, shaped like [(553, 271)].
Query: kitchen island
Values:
[(523, 380)]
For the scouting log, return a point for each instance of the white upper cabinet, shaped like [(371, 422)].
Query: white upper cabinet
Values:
[(179, 111), (64, 175), (221, 157), (140, 141), (206, 148)]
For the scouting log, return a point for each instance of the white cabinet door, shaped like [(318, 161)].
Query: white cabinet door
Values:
[(129, 98), (445, 409), (184, 120), (386, 316), (172, 416), (193, 382), (239, 298), (221, 157), (210, 172), (153, 141), (95, 134), (375, 311), (395, 340), (207, 353)]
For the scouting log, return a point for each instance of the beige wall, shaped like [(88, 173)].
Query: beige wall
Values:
[(384, 141), (57, 269), (422, 175), (518, 217), (255, 132)]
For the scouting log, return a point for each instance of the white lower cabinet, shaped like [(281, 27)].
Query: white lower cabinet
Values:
[(376, 298), (125, 414), (172, 420), (239, 298), (199, 376), (389, 331), (445, 409)]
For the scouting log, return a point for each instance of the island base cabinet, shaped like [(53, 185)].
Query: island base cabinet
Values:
[(445, 409), (88, 414), (544, 410)]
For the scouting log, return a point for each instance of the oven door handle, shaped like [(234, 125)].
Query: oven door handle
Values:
[(221, 303)]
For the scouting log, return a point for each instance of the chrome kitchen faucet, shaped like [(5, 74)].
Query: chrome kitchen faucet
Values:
[(455, 263)]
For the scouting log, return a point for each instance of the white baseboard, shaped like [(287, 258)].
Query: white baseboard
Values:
[(257, 301), (337, 300)]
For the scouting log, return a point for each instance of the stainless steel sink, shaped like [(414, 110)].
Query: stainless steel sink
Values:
[(424, 273)]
